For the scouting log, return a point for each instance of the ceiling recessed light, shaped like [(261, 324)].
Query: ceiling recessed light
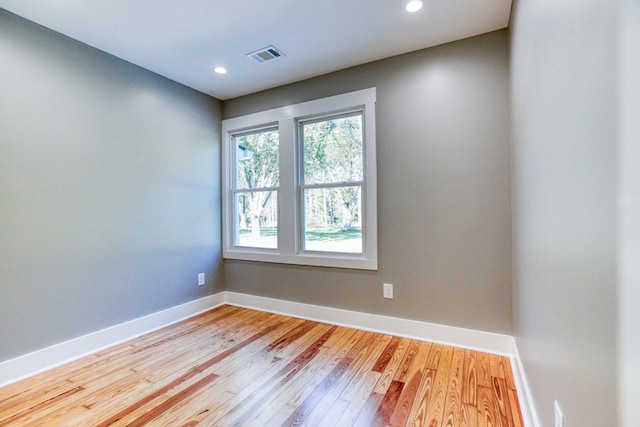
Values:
[(414, 6), (220, 70)]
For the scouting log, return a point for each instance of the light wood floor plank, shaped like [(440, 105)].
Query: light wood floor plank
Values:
[(412, 379), (483, 369), (516, 415), (469, 378), (453, 402), (486, 409), (438, 398), (236, 366)]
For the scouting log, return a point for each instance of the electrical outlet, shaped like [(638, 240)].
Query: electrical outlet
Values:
[(200, 279), (558, 414), (387, 290)]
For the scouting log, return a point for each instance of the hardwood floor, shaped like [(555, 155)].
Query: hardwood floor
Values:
[(233, 366)]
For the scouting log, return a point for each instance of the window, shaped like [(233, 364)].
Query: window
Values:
[(332, 183), (300, 183), (255, 189)]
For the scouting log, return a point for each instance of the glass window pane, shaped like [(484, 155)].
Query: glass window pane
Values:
[(257, 219), (332, 219), (257, 160), (333, 150)]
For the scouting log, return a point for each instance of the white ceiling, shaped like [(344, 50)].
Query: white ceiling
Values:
[(185, 39)]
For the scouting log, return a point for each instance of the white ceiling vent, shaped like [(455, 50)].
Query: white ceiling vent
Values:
[(266, 54)]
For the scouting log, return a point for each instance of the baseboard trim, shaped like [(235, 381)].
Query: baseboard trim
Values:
[(450, 335), (30, 364), (525, 397)]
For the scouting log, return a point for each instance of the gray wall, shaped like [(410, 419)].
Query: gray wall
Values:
[(563, 87), (629, 215), (444, 190), (109, 190)]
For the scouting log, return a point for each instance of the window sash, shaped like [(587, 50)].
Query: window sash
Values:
[(302, 218), (234, 140), (330, 116), (236, 243)]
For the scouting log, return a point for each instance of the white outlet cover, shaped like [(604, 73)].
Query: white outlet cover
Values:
[(387, 290), (559, 418), (200, 279)]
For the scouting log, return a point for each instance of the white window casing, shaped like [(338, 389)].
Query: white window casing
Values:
[(289, 242)]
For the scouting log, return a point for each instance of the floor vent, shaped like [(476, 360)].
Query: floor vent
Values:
[(266, 54)]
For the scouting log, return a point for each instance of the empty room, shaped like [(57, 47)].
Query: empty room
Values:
[(356, 213)]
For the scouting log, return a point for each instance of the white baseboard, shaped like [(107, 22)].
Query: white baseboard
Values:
[(525, 397), (24, 366), (450, 335), (41, 360)]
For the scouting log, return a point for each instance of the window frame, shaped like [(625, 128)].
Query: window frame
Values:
[(287, 120)]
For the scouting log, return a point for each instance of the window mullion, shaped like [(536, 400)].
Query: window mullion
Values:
[(287, 197)]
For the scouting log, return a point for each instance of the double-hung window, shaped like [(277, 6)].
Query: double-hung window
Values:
[(300, 183), (255, 188)]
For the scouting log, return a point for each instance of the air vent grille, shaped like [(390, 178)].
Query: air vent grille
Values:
[(266, 54)]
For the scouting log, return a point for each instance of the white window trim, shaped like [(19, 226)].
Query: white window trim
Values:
[(288, 222)]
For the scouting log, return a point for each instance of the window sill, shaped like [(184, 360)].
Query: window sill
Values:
[(332, 260)]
